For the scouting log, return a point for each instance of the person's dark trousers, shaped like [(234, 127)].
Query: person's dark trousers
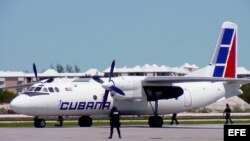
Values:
[(229, 120), (176, 121), (112, 130)]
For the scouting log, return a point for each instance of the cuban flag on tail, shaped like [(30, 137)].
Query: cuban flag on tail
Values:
[(224, 58)]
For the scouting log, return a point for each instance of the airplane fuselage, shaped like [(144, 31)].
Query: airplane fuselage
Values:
[(79, 98)]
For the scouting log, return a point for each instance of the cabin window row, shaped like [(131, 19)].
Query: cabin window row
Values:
[(43, 89)]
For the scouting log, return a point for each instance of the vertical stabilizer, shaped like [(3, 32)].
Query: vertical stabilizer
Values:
[(224, 60), (225, 54)]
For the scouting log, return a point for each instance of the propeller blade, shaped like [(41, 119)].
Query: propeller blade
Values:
[(35, 71), (111, 70), (98, 79), (117, 90), (105, 98)]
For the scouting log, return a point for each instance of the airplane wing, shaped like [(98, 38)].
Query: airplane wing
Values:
[(155, 89), (173, 79)]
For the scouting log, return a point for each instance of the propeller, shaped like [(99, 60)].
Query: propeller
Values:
[(35, 71), (108, 86), (49, 80)]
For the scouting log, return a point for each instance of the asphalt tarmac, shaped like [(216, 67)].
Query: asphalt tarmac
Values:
[(199, 132)]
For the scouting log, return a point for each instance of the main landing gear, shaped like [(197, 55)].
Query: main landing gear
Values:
[(60, 121), (155, 121), (83, 121)]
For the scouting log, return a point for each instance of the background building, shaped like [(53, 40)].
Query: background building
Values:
[(8, 78)]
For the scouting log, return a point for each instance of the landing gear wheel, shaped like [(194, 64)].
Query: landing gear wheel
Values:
[(39, 123), (155, 121), (85, 121)]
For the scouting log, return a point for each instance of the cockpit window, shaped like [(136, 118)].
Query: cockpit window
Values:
[(37, 89), (45, 89), (51, 89), (56, 89), (31, 89)]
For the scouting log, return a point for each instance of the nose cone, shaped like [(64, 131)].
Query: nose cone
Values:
[(20, 104)]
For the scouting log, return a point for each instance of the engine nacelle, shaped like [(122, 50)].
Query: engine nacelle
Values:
[(131, 86), (128, 83), (129, 95)]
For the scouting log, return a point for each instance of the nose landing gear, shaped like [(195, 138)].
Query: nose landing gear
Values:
[(39, 123)]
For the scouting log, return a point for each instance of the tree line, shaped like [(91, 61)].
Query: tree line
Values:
[(68, 68), (246, 93)]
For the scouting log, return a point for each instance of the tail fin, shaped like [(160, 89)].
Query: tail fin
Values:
[(225, 54), (224, 60)]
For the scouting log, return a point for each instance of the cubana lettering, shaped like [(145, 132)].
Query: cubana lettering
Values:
[(84, 105)]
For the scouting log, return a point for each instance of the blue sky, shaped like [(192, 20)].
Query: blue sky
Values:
[(91, 34)]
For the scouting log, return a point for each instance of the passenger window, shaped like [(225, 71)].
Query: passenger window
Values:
[(31, 89), (45, 89), (56, 89), (68, 89), (51, 89), (38, 89)]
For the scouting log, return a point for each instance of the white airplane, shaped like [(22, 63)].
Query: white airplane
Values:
[(137, 95)]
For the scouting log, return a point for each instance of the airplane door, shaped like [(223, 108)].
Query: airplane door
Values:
[(187, 98)]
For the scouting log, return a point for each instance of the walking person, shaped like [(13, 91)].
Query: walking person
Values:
[(114, 122), (228, 114), (174, 119), (60, 121)]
